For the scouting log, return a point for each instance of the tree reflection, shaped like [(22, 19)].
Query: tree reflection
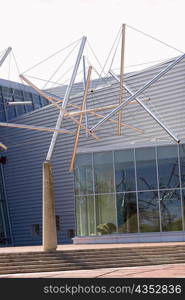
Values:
[(127, 212)]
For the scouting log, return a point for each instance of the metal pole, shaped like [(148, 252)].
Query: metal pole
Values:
[(66, 98), (85, 107), (38, 128), (19, 103), (147, 109), (121, 95), (5, 55), (149, 83)]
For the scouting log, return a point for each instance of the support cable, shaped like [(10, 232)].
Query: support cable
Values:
[(117, 36), (155, 39), (47, 58), (59, 67)]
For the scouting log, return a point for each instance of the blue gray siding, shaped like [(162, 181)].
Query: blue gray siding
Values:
[(28, 149)]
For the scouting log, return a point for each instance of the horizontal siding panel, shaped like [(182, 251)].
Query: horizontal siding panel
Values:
[(28, 149)]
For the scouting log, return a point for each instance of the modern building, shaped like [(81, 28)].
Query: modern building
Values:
[(13, 92), (127, 188)]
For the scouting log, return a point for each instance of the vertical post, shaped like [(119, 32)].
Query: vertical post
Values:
[(66, 98), (121, 95), (81, 117), (49, 235)]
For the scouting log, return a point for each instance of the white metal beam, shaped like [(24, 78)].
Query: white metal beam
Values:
[(5, 55), (149, 83), (66, 98), (147, 109)]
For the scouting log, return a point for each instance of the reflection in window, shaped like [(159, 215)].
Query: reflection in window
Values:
[(105, 214), (127, 213), (146, 169), (168, 167), (83, 174), (170, 204), (148, 211), (182, 163), (85, 215), (124, 171), (103, 172)]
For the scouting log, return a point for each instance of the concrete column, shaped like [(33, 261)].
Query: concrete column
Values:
[(49, 233)]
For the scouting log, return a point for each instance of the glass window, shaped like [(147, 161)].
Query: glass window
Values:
[(18, 96), (127, 212), (11, 112), (124, 171), (70, 234), (168, 167), (28, 97), (103, 172), (182, 163), (44, 101), (35, 230), (85, 215), (2, 112), (58, 223), (83, 174), (146, 169), (105, 214), (36, 101), (148, 211), (171, 216)]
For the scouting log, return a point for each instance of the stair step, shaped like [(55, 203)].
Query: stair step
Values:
[(92, 256), (11, 263), (84, 263), (124, 249), (54, 268)]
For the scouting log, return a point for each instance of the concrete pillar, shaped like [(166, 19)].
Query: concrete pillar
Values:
[(49, 233)]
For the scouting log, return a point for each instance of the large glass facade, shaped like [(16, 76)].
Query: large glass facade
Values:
[(131, 190)]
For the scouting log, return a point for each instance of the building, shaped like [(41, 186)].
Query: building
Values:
[(13, 92), (127, 188)]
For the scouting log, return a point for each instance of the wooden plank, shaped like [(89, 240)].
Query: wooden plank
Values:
[(76, 113), (44, 95), (3, 146), (38, 128), (81, 117)]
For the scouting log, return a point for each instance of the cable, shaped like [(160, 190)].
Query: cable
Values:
[(9, 65), (58, 68), (115, 53), (94, 54), (47, 58), (119, 32), (68, 70), (156, 39), (41, 79)]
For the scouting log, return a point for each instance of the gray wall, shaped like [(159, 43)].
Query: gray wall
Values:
[(28, 149)]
